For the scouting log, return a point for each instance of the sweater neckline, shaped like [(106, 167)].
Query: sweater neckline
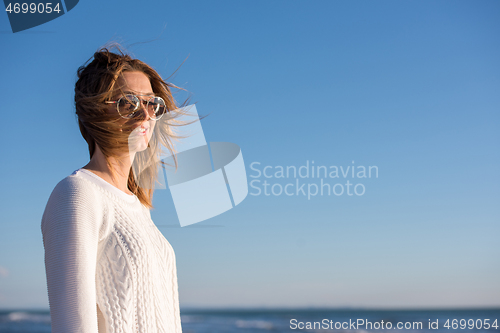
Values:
[(104, 184)]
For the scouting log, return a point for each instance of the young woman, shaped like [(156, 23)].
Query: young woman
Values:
[(109, 269)]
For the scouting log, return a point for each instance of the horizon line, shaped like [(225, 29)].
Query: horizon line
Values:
[(296, 308)]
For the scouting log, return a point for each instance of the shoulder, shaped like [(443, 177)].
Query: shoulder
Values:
[(75, 189), (75, 183), (73, 198)]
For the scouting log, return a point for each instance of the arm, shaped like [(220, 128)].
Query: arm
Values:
[(70, 229)]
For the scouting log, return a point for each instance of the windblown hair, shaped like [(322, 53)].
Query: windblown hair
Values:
[(98, 83)]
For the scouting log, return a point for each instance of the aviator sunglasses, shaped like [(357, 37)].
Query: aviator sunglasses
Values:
[(128, 106)]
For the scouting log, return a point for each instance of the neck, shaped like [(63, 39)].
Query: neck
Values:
[(121, 166)]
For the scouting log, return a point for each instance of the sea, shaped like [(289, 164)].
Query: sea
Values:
[(297, 320)]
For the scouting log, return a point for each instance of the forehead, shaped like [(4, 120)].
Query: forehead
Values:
[(135, 82)]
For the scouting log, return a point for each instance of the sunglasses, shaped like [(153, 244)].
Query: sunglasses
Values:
[(129, 106)]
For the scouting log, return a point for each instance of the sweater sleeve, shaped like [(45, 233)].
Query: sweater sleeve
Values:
[(70, 229)]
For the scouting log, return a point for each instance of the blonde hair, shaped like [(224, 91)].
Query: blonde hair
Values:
[(96, 84)]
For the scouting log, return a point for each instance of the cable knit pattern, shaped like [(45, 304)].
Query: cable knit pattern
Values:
[(109, 269)]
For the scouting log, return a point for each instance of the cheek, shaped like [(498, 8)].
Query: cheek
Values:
[(152, 124)]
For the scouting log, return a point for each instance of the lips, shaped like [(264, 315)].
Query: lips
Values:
[(142, 130)]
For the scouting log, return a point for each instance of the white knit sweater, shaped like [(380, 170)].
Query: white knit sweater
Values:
[(109, 269)]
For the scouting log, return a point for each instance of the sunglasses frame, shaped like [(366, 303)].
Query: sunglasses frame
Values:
[(141, 101)]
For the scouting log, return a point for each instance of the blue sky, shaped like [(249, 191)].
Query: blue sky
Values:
[(408, 86)]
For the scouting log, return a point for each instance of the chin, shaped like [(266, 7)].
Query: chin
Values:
[(138, 143), (141, 148)]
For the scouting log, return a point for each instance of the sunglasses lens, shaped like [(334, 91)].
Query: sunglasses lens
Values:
[(156, 107), (128, 105)]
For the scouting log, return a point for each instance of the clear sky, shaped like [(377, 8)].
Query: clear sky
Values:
[(411, 87)]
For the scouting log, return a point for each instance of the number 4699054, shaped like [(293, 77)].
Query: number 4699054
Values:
[(471, 324), (32, 8)]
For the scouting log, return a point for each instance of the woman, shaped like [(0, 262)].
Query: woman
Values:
[(109, 269)]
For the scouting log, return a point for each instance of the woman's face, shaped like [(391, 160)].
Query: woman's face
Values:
[(137, 83)]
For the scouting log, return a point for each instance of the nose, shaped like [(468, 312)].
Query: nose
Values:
[(144, 107)]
